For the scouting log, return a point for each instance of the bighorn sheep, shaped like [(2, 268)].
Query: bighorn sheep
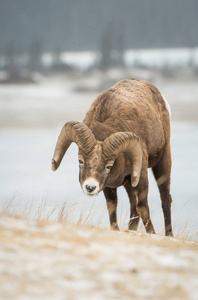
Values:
[(125, 131)]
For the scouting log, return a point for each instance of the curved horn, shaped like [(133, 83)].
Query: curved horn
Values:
[(72, 132), (129, 143)]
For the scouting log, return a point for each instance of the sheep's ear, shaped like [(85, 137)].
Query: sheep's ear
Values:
[(129, 143), (75, 132)]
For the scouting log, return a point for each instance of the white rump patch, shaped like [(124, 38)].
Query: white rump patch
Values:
[(167, 105), (90, 186)]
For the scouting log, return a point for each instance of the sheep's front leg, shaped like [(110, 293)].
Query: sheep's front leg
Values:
[(134, 216), (111, 199)]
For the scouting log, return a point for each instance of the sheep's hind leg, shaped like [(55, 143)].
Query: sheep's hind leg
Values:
[(134, 216), (162, 175), (111, 200)]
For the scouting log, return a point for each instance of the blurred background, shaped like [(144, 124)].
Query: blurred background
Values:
[(55, 58)]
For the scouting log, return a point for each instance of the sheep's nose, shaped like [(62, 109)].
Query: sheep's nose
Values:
[(90, 188)]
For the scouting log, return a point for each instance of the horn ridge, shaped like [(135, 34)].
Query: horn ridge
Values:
[(84, 137), (76, 132), (129, 143), (113, 143)]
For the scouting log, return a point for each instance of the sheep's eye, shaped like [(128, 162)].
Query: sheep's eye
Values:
[(81, 162), (108, 167)]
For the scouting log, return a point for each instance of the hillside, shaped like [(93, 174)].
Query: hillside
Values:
[(43, 260)]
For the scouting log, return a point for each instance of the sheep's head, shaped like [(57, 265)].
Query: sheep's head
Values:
[(94, 169), (96, 159)]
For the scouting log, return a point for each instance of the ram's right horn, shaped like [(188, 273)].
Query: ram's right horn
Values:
[(76, 132)]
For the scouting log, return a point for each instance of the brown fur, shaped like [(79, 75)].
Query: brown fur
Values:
[(135, 106), (125, 131)]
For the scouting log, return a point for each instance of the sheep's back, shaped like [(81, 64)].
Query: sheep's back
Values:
[(130, 105)]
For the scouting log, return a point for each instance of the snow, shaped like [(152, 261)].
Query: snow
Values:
[(161, 57), (148, 57), (64, 261)]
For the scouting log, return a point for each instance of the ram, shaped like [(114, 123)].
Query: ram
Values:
[(125, 132)]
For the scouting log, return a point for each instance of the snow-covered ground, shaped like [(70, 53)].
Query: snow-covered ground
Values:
[(171, 57), (40, 260), (31, 117)]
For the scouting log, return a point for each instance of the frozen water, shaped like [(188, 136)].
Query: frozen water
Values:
[(26, 171)]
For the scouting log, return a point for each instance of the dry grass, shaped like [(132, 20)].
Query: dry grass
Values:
[(69, 213)]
